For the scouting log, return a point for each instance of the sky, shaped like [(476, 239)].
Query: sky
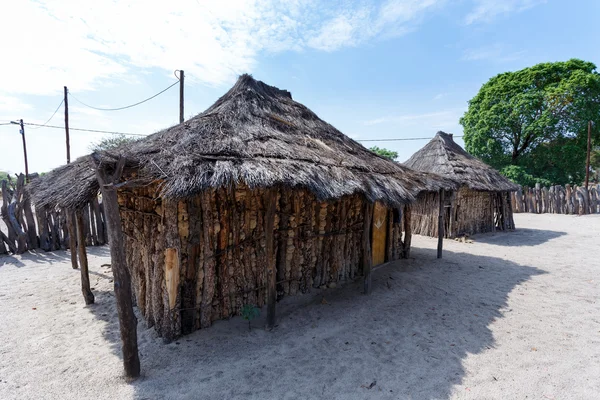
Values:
[(387, 69)]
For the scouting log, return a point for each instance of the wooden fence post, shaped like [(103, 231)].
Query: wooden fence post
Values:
[(85, 276), (122, 278), (70, 216)]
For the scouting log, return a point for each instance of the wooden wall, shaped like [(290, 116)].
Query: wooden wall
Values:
[(557, 200), (467, 212), (24, 227), (202, 259)]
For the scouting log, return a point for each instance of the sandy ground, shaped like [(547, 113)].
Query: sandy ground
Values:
[(510, 316)]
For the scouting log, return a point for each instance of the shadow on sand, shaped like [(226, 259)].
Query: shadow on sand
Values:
[(521, 237), (50, 257), (407, 340)]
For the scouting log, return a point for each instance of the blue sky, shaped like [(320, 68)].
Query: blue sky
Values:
[(388, 69)]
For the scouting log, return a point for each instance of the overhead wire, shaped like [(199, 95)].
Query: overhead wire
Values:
[(85, 130), (125, 107), (140, 134), (57, 108)]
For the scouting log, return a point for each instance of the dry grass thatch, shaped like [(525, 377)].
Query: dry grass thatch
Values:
[(70, 186), (444, 157), (255, 134)]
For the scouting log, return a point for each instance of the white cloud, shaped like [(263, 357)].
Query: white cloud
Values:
[(486, 10), (85, 44), (495, 52), (12, 104)]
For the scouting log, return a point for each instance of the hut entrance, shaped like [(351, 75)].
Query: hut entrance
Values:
[(379, 238)]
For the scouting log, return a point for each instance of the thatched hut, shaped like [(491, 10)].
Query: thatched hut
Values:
[(252, 200), (482, 203)]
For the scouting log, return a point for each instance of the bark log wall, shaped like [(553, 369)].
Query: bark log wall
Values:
[(466, 212), (196, 261)]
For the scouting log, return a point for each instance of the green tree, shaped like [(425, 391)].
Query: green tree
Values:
[(389, 154), (536, 118), (110, 142)]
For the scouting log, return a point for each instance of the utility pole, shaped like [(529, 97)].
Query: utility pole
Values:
[(22, 132), (66, 101), (181, 78)]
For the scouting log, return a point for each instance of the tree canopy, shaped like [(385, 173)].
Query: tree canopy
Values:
[(535, 120), (392, 155), (111, 142)]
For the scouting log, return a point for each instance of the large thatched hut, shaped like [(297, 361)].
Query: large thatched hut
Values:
[(252, 200), (481, 204)]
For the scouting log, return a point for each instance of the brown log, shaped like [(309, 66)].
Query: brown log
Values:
[(367, 259), (122, 278), (100, 237), (4, 239), (70, 216), (407, 232), (34, 242), (88, 296), (42, 223), (271, 204)]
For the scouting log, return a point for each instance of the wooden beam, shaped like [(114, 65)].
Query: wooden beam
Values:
[(122, 278), (367, 258), (271, 204), (72, 237), (88, 296), (440, 224)]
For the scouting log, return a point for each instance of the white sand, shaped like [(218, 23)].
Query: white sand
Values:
[(511, 316)]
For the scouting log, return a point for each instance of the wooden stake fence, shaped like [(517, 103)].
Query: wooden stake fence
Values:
[(557, 200), (23, 227)]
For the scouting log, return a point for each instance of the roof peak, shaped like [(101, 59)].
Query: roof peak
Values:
[(247, 82), (445, 135)]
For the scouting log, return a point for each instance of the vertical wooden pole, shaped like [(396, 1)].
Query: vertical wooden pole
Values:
[(367, 258), (72, 237), (24, 150), (271, 203), (181, 79), (407, 231), (66, 101), (441, 225), (88, 296), (122, 278), (587, 160)]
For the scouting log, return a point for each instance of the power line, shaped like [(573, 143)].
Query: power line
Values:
[(123, 108), (57, 108), (397, 139), (86, 130)]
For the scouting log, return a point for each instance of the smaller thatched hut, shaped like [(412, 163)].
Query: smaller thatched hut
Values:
[(482, 203)]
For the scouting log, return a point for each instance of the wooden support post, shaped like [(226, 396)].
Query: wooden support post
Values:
[(122, 278), (407, 232), (440, 224), (367, 258), (88, 296), (72, 237), (271, 204)]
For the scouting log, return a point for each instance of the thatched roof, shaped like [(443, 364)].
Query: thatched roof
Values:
[(257, 134), (444, 157), (69, 186)]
